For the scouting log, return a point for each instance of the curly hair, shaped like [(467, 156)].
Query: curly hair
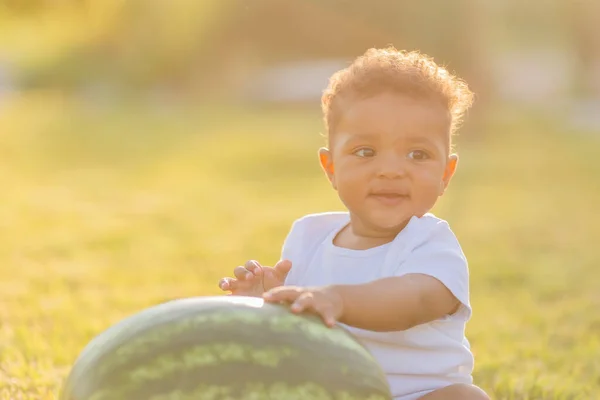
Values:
[(391, 70)]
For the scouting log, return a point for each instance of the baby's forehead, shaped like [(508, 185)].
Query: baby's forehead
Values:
[(394, 116)]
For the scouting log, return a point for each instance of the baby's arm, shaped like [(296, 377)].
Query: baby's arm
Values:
[(388, 304), (395, 303)]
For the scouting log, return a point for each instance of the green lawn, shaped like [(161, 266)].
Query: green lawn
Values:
[(104, 213)]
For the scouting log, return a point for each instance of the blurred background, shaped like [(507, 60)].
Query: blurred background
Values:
[(149, 147), (542, 54)]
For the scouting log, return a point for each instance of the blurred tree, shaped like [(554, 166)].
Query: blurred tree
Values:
[(36, 6), (134, 44)]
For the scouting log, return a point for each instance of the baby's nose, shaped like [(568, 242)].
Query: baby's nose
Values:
[(392, 167)]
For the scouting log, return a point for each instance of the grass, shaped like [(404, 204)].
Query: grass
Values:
[(106, 212)]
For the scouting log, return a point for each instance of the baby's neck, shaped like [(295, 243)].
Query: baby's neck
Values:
[(351, 239)]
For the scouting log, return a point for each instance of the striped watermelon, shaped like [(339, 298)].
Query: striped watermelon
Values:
[(224, 348)]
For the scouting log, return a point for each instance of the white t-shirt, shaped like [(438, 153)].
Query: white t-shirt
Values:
[(417, 360)]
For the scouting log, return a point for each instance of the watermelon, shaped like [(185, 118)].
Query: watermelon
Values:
[(224, 348)]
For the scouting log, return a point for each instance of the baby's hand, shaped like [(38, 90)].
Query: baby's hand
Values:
[(323, 301), (253, 279)]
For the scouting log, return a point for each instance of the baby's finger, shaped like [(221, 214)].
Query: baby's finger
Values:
[(304, 302), (328, 316), (282, 268), (308, 303), (282, 293), (242, 273), (254, 267), (228, 284)]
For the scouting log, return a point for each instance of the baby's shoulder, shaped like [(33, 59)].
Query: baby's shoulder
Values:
[(429, 221), (427, 233), (309, 231), (317, 223)]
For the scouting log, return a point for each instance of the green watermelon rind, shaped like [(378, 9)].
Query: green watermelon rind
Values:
[(153, 326), (278, 391)]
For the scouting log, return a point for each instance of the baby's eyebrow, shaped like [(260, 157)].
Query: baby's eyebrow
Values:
[(351, 138), (420, 140), (358, 137)]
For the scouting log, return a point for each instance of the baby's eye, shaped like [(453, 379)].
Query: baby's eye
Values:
[(365, 152), (418, 155)]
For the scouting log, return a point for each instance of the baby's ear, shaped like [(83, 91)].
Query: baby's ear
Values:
[(449, 171), (326, 162)]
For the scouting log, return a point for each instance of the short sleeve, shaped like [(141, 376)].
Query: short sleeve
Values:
[(442, 258), (302, 241), (290, 243), (291, 251)]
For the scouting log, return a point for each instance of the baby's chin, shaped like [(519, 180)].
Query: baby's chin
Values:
[(390, 223)]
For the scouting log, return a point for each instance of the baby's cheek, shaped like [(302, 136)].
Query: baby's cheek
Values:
[(427, 191), (351, 188)]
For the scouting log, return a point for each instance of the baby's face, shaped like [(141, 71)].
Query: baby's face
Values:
[(391, 159)]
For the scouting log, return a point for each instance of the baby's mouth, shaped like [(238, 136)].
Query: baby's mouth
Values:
[(390, 198)]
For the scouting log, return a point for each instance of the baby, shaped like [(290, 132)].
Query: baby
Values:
[(386, 269)]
